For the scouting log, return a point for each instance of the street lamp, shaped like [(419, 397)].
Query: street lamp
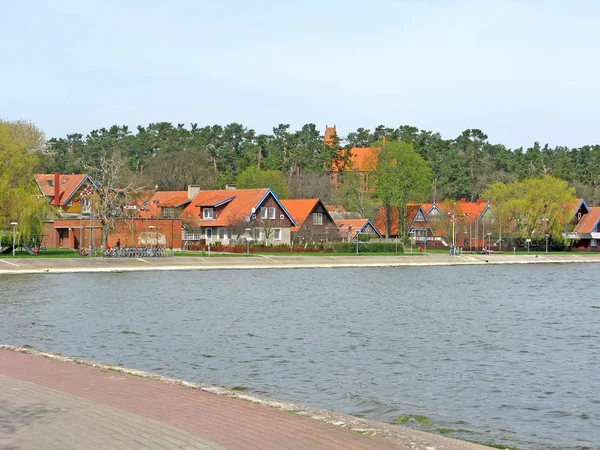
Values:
[(411, 233), (489, 236), (248, 230), (156, 203), (547, 236), (14, 227), (528, 242), (150, 228)]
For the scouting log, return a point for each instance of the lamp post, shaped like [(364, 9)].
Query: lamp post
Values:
[(150, 228), (469, 215), (528, 242), (411, 234), (156, 203), (357, 233), (451, 215), (14, 230), (248, 230), (489, 236), (547, 236)]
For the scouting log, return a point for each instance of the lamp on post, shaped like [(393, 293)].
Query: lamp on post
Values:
[(547, 236), (411, 233), (248, 230), (489, 236), (357, 233), (14, 230), (150, 228), (528, 242), (469, 215), (451, 215), (156, 203)]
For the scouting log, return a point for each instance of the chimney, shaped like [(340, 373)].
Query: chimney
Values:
[(56, 199), (193, 191)]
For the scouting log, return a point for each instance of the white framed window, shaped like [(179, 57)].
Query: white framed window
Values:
[(257, 234), (207, 213), (419, 217), (271, 212), (222, 234), (593, 243), (317, 218), (277, 234), (263, 212), (208, 234)]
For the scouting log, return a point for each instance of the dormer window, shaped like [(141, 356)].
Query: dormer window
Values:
[(207, 213)]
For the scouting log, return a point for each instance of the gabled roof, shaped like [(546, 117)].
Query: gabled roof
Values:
[(589, 222), (69, 185), (576, 206), (301, 208), (472, 210), (356, 224), (335, 208), (411, 212), (430, 207), (165, 199), (238, 204)]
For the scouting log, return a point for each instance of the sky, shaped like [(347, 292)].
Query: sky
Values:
[(521, 71)]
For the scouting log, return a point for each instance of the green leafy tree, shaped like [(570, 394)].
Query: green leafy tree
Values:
[(253, 178), (401, 175), (20, 143), (532, 207)]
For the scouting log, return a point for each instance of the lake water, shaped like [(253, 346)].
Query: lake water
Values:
[(501, 354)]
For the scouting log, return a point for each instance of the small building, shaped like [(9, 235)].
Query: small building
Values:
[(314, 223), (349, 229), (417, 225), (583, 227), (231, 215)]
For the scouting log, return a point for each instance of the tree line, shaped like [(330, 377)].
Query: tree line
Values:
[(172, 156)]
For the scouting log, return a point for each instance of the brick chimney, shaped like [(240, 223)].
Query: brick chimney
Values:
[(56, 199)]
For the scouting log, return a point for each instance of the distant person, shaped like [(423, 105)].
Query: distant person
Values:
[(118, 244), (451, 250)]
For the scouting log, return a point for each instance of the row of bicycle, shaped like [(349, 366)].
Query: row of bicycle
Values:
[(128, 252)]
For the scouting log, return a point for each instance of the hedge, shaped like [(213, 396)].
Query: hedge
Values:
[(371, 247)]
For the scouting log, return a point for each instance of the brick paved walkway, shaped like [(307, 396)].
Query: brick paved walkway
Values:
[(50, 404)]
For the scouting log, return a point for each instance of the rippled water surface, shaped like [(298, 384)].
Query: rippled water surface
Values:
[(502, 354)]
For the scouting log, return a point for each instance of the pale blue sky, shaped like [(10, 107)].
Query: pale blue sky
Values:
[(519, 70)]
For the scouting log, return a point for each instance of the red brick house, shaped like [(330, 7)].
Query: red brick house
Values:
[(584, 222), (237, 214), (313, 222)]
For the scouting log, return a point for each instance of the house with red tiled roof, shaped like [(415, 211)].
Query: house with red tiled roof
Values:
[(583, 227), (350, 228), (237, 214), (313, 221), (417, 222), (70, 194), (167, 204), (361, 159), (588, 231)]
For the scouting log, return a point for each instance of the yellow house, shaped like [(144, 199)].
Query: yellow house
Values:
[(73, 195)]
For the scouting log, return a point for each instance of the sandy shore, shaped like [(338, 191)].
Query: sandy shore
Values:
[(75, 265)]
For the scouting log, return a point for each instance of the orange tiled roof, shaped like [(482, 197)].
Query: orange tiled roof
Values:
[(300, 209), (589, 222), (362, 159), (220, 197), (471, 210), (411, 212), (68, 185), (163, 198), (356, 224), (236, 210)]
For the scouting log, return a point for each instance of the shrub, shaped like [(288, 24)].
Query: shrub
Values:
[(371, 247)]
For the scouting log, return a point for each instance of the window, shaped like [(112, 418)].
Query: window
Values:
[(419, 217), (317, 218), (593, 243), (207, 213), (222, 233), (208, 233), (168, 213), (277, 234), (271, 213), (263, 213), (257, 234)]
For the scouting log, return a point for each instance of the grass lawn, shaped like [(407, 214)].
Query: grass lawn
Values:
[(47, 253)]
